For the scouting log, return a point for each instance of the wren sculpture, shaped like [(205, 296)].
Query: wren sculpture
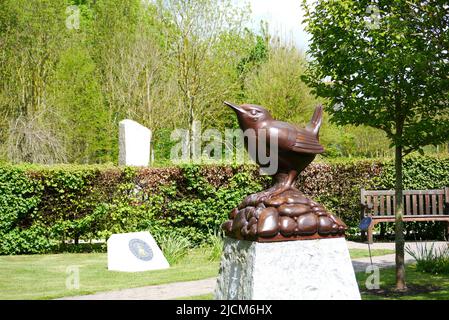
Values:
[(282, 212)]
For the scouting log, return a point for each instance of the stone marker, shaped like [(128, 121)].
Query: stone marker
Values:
[(134, 144), (135, 251), (319, 269)]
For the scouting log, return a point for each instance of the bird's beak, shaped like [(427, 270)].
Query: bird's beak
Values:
[(233, 106)]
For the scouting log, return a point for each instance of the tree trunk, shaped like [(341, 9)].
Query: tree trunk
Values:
[(399, 223)]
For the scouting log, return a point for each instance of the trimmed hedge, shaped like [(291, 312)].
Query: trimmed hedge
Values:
[(42, 208)]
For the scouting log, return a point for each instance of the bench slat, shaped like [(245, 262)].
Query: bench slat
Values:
[(376, 206), (415, 204), (414, 218), (389, 206), (369, 201), (421, 204), (379, 192), (434, 204), (405, 192), (382, 205), (411, 192), (427, 197), (407, 204)]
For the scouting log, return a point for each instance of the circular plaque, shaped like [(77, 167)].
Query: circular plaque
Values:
[(140, 249)]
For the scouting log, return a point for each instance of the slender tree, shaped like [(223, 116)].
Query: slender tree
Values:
[(204, 39), (384, 64), (33, 35)]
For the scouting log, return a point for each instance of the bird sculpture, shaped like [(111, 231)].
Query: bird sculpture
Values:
[(281, 212)]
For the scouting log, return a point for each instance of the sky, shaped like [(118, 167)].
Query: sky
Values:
[(284, 19)]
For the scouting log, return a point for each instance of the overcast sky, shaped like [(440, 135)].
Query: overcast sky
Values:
[(284, 18)]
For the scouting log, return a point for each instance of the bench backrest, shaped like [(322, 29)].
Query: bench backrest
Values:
[(416, 202)]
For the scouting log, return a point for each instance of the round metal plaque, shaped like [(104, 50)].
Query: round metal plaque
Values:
[(140, 249)]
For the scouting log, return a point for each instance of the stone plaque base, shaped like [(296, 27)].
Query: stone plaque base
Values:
[(134, 251), (318, 269)]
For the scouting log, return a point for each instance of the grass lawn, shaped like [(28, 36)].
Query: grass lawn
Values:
[(413, 278), (44, 276), (364, 253)]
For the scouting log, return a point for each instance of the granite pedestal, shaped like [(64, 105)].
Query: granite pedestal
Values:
[(319, 269)]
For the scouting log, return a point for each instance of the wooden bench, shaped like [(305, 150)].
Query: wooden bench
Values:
[(419, 205)]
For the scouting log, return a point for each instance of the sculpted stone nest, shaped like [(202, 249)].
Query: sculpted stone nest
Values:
[(287, 216)]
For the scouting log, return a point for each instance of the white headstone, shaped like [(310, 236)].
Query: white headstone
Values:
[(134, 144), (290, 270), (134, 251)]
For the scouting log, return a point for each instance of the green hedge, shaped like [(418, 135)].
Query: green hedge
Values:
[(43, 208)]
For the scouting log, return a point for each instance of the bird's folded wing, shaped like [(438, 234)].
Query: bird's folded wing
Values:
[(307, 143)]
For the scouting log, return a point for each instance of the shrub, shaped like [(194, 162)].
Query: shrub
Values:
[(42, 208), (215, 246), (174, 247), (430, 259)]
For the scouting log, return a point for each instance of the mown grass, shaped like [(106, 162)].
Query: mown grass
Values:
[(45, 276), (363, 253), (438, 284)]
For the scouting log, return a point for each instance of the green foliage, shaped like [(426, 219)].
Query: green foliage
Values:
[(44, 209), (430, 259), (77, 93), (421, 286), (419, 173), (43, 276), (390, 74), (277, 85), (215, 246), (174, 246), (164, 64), (63, 91)]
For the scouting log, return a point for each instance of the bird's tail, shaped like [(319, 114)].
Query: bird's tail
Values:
[(315, 123)]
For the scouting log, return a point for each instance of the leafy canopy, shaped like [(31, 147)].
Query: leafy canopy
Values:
[(384, 64)]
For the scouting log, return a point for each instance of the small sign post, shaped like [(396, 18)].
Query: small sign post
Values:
[(364, 225)]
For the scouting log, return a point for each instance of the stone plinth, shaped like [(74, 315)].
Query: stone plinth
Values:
[(318, 269), (134, 144)]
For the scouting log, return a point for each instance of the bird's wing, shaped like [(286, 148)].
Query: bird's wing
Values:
[(307, 142)]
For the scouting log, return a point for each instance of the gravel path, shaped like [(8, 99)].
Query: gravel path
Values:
[(206, 286), (161, 292)]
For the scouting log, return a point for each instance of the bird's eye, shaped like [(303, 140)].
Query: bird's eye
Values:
[(253, 112)]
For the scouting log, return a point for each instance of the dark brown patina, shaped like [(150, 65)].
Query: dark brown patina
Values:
[(282, 212)]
